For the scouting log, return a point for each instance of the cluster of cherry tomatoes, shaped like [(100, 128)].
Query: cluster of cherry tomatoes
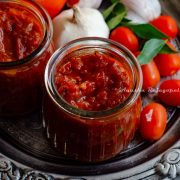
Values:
[(154, 116)]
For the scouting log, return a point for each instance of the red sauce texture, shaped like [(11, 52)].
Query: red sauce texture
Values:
[(90, 140), (93, 81), (20, 32)]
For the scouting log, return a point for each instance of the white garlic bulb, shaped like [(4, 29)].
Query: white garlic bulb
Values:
[(90, 3), (146, 9), (77, 23), (135, 18)]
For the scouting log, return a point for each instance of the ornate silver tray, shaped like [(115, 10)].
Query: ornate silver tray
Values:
[(25, 153)]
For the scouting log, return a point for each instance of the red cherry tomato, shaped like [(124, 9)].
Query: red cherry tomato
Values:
[(71, 3), (153, 121), (169, 92), (151, 76), (167, 64), (126, 37), (53, 7), (167, 25)]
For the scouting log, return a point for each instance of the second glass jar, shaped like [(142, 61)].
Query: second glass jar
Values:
[(26, 46)]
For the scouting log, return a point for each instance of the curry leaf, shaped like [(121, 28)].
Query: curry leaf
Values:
[(113, 1), (151, 48), (114, 14), (146, 31), (119, 8), (106, 13), (112, 23), (167, 50)]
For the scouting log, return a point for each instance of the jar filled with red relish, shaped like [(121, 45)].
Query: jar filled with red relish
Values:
[(92, 103), (25, 48)]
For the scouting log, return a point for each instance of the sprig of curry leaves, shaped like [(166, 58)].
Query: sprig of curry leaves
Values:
[(154, 42)]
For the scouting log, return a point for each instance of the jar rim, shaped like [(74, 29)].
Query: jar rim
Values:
[(60, 102), (46, 25)]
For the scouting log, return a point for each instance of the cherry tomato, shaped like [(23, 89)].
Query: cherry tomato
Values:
[(71, 3), (167, 25), (169, 92), (153, 121), (151, 76), (167, 64), (126, 37), (53, 7)]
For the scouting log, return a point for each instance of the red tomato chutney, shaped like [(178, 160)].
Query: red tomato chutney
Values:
[(93, 82), (25, 47), (87, 119), (21, 33)]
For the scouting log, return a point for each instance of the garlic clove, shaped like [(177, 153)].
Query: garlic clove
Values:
[(58, 27), (90, 3), (77, 23), (147, 9)]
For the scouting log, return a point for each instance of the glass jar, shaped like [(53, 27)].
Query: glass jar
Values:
[(22, 67), (91, 136)]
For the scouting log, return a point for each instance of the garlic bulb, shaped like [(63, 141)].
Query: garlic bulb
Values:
[(147, 9), (77, 23), (134, 17), (90, 3)]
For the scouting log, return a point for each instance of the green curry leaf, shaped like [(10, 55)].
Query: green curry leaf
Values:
[(112, 23), (107, 12), (146, 31), (151, 48)]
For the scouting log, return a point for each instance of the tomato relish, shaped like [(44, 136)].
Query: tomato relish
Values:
[(20, 32), (93, 81), (92, 101)]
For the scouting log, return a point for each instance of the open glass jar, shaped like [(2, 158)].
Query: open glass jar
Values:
[(90, 133), (25, 48)]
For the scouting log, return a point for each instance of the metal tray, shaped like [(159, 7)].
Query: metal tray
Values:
[(25, 152)]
